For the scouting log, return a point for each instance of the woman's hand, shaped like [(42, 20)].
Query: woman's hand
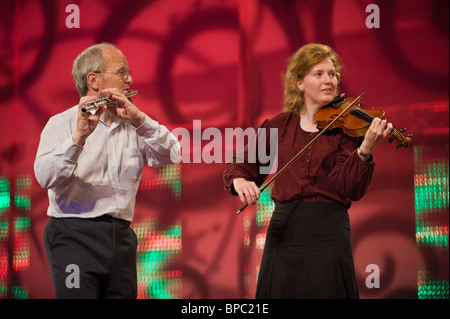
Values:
[(248, 191), (377, 132)]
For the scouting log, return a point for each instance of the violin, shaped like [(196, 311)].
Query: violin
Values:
[(349, 115)]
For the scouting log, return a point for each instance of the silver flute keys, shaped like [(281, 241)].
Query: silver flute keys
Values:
[(93, 105)]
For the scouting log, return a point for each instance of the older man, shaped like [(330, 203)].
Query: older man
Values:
[(91, 163)]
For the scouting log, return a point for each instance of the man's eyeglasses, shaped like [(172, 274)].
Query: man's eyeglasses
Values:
[(123, 74)]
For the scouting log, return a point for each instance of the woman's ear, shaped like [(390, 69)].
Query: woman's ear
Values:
[(300, 85)]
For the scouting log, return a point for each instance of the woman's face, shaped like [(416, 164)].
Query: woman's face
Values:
[(319, 85)]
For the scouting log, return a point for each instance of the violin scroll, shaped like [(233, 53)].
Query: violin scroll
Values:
[(404, 141)]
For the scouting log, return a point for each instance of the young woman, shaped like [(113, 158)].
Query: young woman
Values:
[(307, 253)]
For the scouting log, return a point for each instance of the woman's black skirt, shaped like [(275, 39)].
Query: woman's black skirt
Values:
[(308, 253)]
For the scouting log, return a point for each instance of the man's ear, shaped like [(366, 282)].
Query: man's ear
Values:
[(92, 81)]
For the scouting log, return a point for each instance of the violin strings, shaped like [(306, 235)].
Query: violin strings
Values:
[(362, 115)]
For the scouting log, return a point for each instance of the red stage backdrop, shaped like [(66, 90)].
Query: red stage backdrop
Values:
[(221, 63)]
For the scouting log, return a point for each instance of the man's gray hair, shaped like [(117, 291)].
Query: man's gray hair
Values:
[(90, 60)]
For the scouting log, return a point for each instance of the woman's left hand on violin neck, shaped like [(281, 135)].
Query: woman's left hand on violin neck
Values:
[(377, 132)]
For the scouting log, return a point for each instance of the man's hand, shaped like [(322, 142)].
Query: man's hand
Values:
[(86, 122), (124, 109)]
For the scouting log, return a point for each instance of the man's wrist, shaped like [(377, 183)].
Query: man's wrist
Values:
[(139, 121), (78, 140)]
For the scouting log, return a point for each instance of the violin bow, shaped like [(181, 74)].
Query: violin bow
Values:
[(285, 167)]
